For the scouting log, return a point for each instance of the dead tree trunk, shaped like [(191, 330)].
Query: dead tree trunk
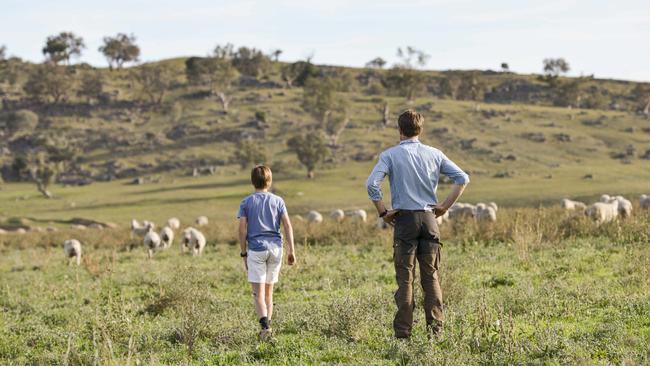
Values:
[(225, 100), (386, 115)]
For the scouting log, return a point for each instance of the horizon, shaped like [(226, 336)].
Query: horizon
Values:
[(592, 36)]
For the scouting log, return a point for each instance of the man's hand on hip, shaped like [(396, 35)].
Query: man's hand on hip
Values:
[(389, 218), (439, 210)]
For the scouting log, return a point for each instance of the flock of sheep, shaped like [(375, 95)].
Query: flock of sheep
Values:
[(609, 208), (191, 238)]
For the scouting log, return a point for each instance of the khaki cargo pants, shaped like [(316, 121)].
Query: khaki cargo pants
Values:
[(416, 236)]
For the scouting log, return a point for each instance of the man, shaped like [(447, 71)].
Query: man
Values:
[(413, 170)]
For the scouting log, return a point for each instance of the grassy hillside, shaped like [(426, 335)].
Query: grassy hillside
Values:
[(517, 154)]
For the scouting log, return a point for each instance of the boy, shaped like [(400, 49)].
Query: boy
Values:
[(259, 217)]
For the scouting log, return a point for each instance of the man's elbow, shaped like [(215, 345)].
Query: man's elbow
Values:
[(462, 180)]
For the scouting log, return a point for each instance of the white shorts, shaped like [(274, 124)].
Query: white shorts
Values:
[(264, 266)]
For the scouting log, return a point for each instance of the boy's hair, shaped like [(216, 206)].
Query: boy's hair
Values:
[(410, 123), (261, 177)]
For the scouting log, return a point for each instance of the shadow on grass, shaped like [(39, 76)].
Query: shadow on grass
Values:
[(216, 185)]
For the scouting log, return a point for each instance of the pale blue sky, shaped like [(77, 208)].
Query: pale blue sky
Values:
[(606, 38)]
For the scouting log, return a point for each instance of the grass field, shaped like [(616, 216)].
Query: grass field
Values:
[(537, 287)]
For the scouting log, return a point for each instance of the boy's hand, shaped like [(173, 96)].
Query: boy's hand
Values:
[(291, 259)]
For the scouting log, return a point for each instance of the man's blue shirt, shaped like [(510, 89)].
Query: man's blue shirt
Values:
[(413, 170)]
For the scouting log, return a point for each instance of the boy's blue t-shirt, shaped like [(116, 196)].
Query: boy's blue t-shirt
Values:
[(263, 212)]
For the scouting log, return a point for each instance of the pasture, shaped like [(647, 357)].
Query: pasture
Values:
[(539, 286)]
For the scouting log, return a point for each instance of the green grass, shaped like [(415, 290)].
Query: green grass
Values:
[(572, 301)]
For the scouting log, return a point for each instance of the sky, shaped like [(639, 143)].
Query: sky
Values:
[(606, 38)]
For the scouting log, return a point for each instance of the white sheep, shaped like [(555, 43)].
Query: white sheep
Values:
[(314, 217), (202, 221), (459, 210), (166, 237), (174, 223), (299, 218), (72, 250), (151, 241), (485, 213), (493, 205), (624, 206), (141, 230), (644, 202), (605, 198), (358, 215), (602, 212), (337, 215), (571, 205), (194, 240)]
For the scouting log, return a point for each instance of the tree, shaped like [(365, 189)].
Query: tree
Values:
[(119, 50), (310, 150), (320, 99), (297, 73), (505, 67), (225, 52), (251, 61), (154, 80), (250, 153), (42, 173), (63, 46), (92, 86), (412, 57), (22, 120), (385, 113), (217, 73), (376, 63), (568, 94), (48, 80), (451, 85), (553, 68), (276, 54), (409, 83), (471, 88), (641, 94), (3, 52)]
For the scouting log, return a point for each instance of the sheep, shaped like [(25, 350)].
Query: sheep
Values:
[(602, 212), (358, 215), (644, 202), (460, 209), (338, 215), (624, 206), (72, 250), (605, 198), (174, 223), (194, 240), (485, 213), (298, 218), (381, 224), (314, 217), (493, 205), (140, 230), (166, 237), (571, 205), (2, 232), (151, 241), (202, 221)]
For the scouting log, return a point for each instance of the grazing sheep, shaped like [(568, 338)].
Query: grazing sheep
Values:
[(602, 212), (298, 218), (460, 210), (2, 232), (571, 205), (151, 241), (338, 215), (493, 205), (358, 215), (624, 206), (605, 198), (644, 202), (141, 230), (72, 250), (202, 221), (485, 213), (174, 223), (194, 240), (314, 217), (166, 237)]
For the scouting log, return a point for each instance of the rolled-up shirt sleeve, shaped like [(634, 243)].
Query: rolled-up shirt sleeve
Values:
[(381, 170), (451, 170)]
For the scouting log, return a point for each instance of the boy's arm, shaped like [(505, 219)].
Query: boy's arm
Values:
[(243, 228), (288, 233)]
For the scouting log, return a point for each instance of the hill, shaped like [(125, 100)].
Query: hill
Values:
[(506, 130)]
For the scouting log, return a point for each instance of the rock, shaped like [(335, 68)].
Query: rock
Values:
[(563, 137), (534, 136)]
